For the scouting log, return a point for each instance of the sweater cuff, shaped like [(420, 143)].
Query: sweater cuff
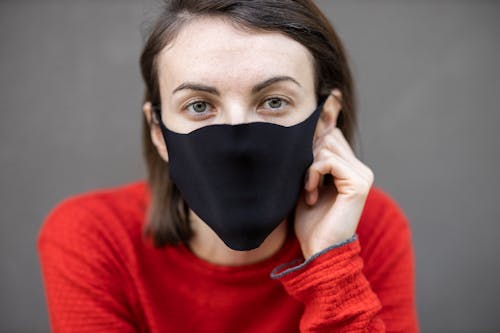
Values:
[(299, 264), (335, 292)]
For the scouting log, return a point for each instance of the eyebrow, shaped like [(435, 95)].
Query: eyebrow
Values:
[(212, 90)]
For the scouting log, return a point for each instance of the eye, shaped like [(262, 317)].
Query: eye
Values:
[(198, 107), (274, 103)]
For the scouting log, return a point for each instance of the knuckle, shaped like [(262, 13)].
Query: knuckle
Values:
[(324, 153), (330, 142), (332, 159)]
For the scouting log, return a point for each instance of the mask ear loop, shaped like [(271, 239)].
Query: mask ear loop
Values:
[(328, 178), (156, 115), (291, 216)]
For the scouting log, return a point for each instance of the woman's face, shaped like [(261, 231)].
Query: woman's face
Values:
[(213, 73)]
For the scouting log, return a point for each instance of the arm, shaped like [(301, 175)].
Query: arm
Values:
[(336, 295), (364, 284), (83, 277)]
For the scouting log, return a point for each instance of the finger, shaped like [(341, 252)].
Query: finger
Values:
[(346, 178), (331, 147), (331, 143), (313, 179), (311, 197), (335, 139), (324, 154), (337, 143), (336, 166)]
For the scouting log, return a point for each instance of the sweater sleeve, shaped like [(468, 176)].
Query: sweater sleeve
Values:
[(336, 295), (83, 277), (346, 288)]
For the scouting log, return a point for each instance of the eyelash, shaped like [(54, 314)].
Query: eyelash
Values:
[(205, 115)]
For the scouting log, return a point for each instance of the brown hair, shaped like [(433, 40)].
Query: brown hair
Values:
[(301, 20)]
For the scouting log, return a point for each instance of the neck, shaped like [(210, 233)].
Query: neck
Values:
[(206, 245)]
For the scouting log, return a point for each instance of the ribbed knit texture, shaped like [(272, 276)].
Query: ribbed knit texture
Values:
[(102, 275)]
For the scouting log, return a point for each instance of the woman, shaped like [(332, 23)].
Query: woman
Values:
[(257, 216)]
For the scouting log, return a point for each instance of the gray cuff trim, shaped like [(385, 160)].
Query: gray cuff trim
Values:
[(275, 275)]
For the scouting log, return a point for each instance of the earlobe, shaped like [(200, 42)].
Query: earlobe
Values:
[(155, 131)]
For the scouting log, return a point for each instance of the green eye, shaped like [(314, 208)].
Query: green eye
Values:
[(199, 107), (275, 103)]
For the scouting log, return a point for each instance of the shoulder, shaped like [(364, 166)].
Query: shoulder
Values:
[(97, 213), (381, 207), (388, 258), (383, 222)]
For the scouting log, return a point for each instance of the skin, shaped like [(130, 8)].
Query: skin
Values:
[(209, 75)]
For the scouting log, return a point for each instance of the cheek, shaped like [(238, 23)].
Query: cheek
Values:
[(180, 124)]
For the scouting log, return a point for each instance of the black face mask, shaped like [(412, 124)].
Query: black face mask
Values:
[(242, 180)]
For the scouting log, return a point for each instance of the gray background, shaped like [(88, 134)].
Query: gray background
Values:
[(428, 82)]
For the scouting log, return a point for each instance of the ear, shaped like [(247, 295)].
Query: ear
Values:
[(330, 113), (156, 135)]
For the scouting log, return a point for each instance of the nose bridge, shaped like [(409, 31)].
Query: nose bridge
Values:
[(235, 113)]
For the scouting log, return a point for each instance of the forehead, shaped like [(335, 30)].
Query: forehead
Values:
[(214, 49)]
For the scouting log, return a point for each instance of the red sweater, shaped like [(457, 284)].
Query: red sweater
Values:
[(102, 275)]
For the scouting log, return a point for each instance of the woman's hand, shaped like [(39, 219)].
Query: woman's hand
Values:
[(329, 214)]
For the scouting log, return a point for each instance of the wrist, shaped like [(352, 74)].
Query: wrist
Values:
[(299, 264), (321, 245)]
